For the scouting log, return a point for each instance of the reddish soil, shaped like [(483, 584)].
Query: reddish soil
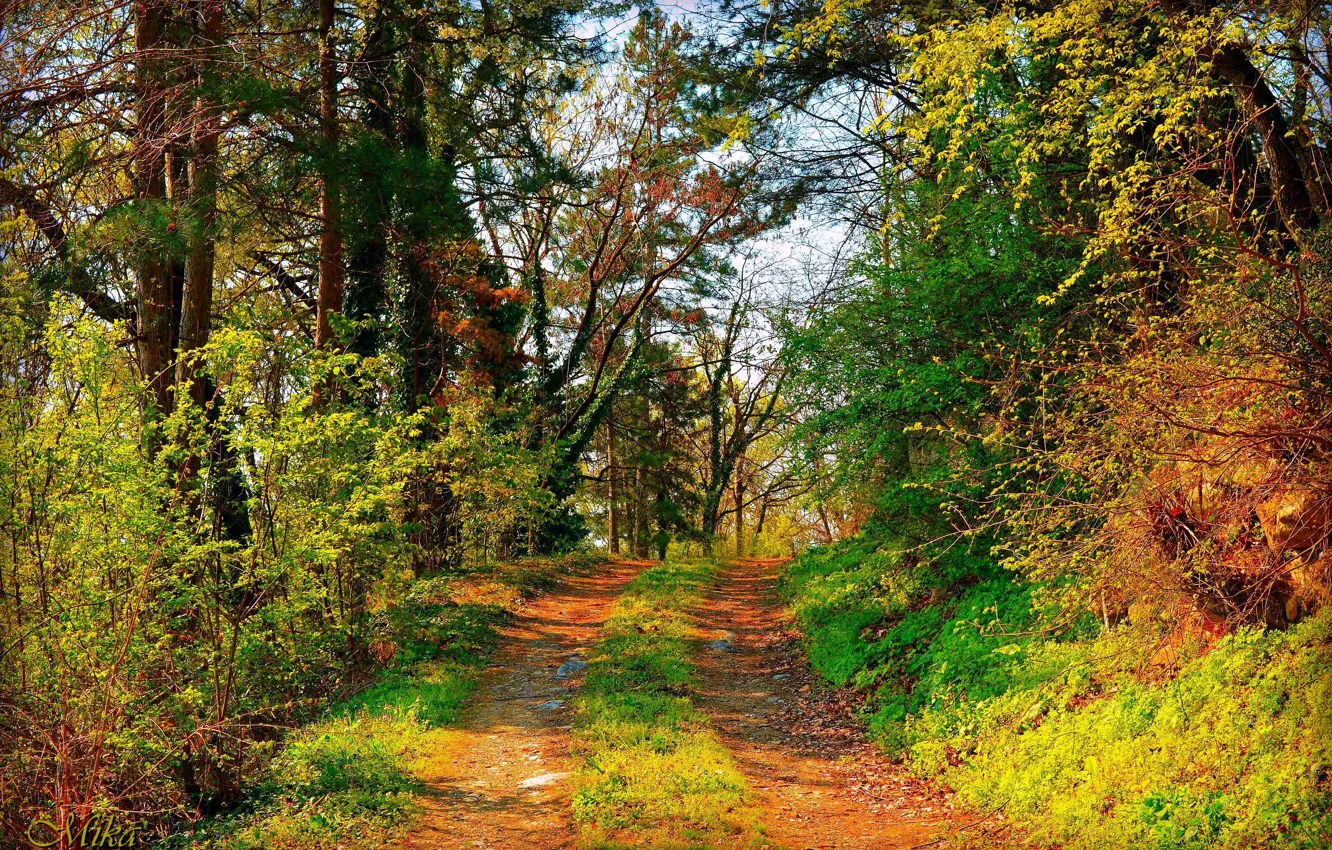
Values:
[(820, 784), (502, 783)]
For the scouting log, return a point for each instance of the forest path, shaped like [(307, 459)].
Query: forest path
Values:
[(502, 782), (819, 783)]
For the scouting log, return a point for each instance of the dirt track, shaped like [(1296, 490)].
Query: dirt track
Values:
[(820, 784), (499, 786), (502, 782)]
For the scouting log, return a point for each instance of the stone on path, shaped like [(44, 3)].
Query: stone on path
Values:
[(723, 643), (570, 667), (543, 780)]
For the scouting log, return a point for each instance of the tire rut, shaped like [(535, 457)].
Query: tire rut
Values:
[(820, 784), (501, 782)]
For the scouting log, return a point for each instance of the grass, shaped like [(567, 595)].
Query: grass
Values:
[(348, 780), (1078, 738), (654, 774)]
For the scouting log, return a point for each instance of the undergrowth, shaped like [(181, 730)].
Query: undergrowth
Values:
[(348, 780), (653, 773), (1078, 734)]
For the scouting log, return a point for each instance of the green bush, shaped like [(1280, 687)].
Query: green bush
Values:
[(349, 780), (1060, 728)]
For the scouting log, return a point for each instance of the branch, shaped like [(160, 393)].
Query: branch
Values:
[(77, 281)]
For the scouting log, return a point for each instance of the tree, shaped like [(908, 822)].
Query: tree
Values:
[(744, 387), (630, 206)]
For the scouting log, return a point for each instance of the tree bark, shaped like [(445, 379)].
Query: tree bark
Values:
[(739, 519), (1230, 64), (77, 281), (153, 275), (1286, 174), (197, 297), (758, 524), (641, 525), (330, 207), (613, 490)]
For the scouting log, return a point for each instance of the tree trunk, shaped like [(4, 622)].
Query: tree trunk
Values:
[(330, 209), (827, 527), (630, 519), (197, 296), (640, 514), (613, 490), (739, 519), (1283, 160), (153, 275), (1294, 198), (758, 524), (663, 536), (364, 294)]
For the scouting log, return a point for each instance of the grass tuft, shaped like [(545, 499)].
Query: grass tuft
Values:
[(349, 780)]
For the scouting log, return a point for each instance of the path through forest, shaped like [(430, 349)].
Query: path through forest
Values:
[(502, 784), (820, 784)]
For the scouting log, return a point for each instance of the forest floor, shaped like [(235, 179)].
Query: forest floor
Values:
[(502, 782)]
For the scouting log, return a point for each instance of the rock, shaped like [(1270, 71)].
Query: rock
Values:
[(1295, 519), (543, 780), (723, 643), (571, 667), (551, 704), (781, 676), (1312, 578)]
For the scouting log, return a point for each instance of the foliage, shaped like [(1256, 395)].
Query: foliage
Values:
[(1216, 746), (350, 778), (167, 635)]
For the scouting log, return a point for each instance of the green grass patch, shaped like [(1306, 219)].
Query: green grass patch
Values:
[(348, 780), (1073, 733), (654, 774)]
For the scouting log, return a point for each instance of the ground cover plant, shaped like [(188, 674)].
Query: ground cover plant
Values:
[(1086, 738), (653, 774)]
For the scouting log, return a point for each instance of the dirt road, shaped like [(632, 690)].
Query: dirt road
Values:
[(502, 783), (820, 784)]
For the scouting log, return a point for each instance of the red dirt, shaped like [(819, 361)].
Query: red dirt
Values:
[(474, 799), (820, 784)]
